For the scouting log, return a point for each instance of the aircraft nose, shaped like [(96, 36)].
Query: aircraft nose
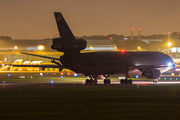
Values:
[(170, 62)]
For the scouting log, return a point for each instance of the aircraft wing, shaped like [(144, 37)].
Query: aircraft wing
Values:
[(42, 66), (41, 56), (46, 66)]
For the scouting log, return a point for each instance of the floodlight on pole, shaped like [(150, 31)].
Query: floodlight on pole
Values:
[(40, 47), (91, 47), (15, 47), (169, 44)]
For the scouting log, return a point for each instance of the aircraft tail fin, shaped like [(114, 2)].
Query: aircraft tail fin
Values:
[(63, 27)]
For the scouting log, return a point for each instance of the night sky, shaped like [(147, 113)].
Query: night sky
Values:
[(34, 19)]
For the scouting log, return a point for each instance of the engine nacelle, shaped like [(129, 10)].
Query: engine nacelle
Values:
[(151, 73), (63, 45)]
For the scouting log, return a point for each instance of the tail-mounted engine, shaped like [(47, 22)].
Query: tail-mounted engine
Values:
[(63, 45), (151, 73)]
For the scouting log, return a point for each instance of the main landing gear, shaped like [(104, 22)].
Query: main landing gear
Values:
[(126, 81), (107, 81), (91, 81)]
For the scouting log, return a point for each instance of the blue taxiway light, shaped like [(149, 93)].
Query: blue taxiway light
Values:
[(137, 76), (75, 74), (52, 81), (9, 75)]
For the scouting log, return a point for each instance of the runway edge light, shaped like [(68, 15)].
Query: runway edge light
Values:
[(137, 76), (52, 81)]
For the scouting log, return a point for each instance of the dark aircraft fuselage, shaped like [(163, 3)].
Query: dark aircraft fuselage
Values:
[(100, 63)]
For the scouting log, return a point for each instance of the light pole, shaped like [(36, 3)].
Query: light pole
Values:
[(40, 47), (15, 47), (139, 48), (169, 44)]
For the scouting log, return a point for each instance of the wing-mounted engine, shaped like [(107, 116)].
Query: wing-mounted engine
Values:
[(151, 73), (63, 45)]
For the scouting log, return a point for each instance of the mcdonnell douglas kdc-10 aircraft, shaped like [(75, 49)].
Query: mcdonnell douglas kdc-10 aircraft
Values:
[(92, 64)]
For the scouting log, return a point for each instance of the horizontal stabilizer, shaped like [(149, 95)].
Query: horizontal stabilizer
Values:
[(41, 56)]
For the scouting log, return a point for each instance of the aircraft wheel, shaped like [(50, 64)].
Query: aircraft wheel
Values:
[(105, 81), (108, 81), (95, 81), (126, 81), (91, 81), (130, 81), (87, 81), (155, 81)]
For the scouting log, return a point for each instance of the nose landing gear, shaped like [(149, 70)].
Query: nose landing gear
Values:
[(155, 81), (107, 81)]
